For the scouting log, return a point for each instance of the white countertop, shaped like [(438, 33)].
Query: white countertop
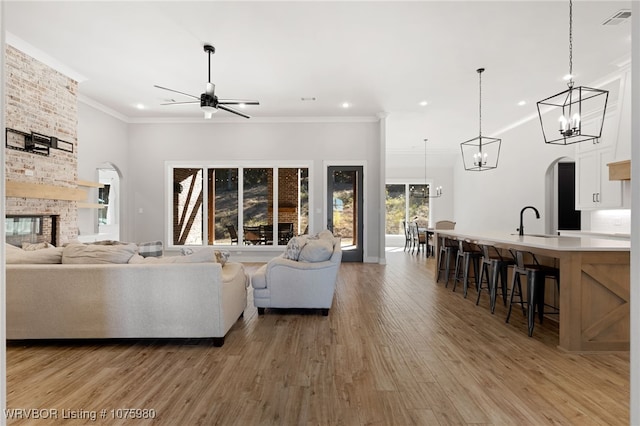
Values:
[(550, 242)]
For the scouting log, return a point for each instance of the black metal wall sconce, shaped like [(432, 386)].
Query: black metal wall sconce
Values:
[(35, 143)]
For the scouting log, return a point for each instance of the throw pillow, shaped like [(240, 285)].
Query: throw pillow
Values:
[(91, 254), (294, 246), (325, 234), (49, 255), (318, 250), (36, 246), (222, 256), (151, 249)]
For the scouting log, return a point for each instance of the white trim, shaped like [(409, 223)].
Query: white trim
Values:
[(39, 55), (221, 119), (100, 107)]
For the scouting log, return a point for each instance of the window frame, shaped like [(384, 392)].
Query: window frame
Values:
[(240, 166), (407, 194)]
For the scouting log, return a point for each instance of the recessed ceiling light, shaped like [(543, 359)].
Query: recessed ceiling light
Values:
[(346, 105), (140, 106), (424, 103), (521, 103)]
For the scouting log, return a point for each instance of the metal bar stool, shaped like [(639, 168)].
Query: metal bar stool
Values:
[(494, 265), (537, 275), (448, 251), (468, 253)]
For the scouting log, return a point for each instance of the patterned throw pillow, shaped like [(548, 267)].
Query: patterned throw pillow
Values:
[(294, 247), (151, 249), (222, 256)]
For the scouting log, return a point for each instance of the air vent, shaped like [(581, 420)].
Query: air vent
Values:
[(619, 17)]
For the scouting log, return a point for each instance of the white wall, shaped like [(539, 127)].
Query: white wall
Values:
[(3, 308), (101, 138), (151, 145), (492, 200)]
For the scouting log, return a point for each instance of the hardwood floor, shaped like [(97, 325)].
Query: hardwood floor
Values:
[(396, 349)]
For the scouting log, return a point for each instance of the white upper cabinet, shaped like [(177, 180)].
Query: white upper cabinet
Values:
[(594, 190)]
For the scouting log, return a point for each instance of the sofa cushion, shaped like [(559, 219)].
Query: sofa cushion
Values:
[(151, 249), (91, 254), (294, 246), (205, 254), (318, 250), (325, 234), (50, 255)]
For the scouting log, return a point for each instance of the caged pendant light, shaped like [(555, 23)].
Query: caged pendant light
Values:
[(575, 115), (481, 153), (425, 192)]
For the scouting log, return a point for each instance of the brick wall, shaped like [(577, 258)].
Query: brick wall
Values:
[(42, 100)]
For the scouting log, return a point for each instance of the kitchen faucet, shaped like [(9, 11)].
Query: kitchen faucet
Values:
[(521, 229)]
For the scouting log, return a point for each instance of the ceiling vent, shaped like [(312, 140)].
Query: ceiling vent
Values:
[(619, 17)]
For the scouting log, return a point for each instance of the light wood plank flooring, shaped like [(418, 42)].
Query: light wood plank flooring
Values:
[(396, 349)]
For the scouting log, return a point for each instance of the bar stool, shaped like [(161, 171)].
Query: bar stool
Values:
[(468, 254), (448, 249), (493, 265), (536, 277)]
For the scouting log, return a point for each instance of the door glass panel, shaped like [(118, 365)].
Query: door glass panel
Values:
[(223, 206), (344, 211), (396, 207), (258, 206), (187, 206)]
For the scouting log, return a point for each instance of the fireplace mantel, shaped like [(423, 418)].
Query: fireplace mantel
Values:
[(43, 191)]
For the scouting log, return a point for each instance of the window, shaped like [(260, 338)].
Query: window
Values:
[(406, 202), (222, 207), (396, 207), (239, 205), (187, 206)]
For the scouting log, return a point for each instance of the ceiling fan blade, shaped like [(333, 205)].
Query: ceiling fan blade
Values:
[(233, 111), (176, 91), (237, 102), (181, 103)]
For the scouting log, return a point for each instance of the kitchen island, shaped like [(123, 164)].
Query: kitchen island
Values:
[(594, 285)]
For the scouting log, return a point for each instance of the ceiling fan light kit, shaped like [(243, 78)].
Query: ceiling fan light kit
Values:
[(574, 115), (209, 102)]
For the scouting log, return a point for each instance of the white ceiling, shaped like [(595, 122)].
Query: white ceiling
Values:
[(381, 57)]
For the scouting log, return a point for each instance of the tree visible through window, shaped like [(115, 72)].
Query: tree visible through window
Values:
[(223, 214)]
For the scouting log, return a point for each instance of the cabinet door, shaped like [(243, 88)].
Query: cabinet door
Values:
[(610, 192), (594, 190), (587, 180)]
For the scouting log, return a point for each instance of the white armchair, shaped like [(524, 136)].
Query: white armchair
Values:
[(287, 283)]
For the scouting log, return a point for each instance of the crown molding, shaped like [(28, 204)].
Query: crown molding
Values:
[(39, 55)]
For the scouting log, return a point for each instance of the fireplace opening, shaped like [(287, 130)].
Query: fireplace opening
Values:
[(31, 229)]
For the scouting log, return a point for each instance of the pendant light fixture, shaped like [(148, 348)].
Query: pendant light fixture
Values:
[(575, 115), (425, 192), (481, 153)]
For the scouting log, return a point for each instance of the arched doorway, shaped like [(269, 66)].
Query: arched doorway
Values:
[(109, 196), (560, 187)]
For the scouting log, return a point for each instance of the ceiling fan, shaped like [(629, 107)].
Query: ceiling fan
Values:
[(209, 102)]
